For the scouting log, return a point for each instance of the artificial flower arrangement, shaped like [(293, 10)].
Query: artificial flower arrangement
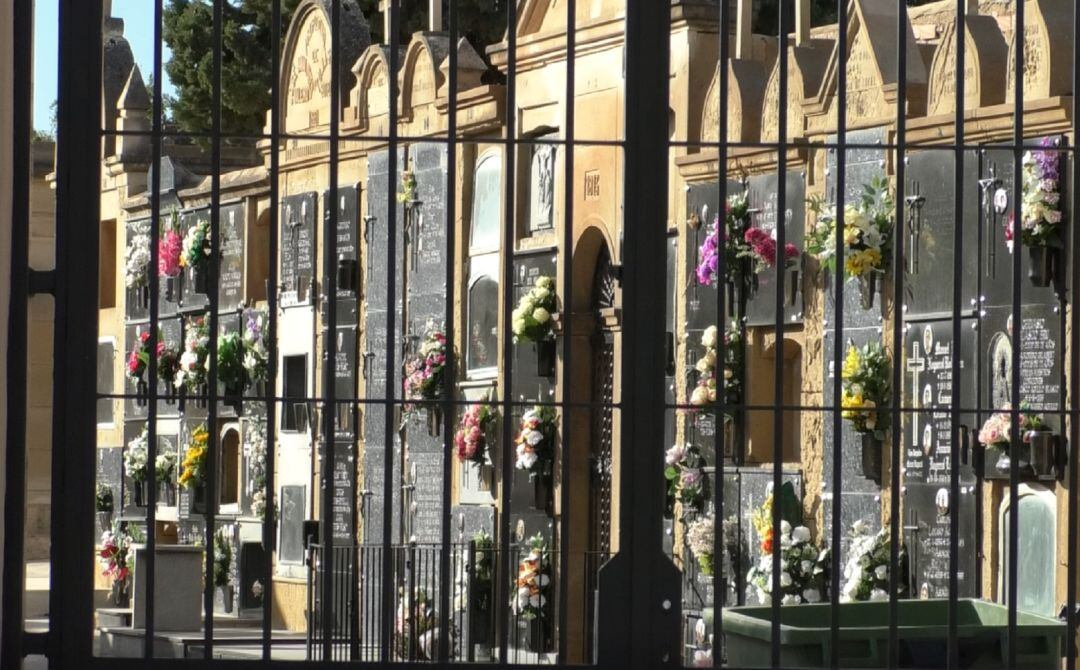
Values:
[(866, 573), (407, 194), (705, 392), (701, 539), (196, 246), (865, 389), (804, 567), (193, 472), (1040, 223), (138, 360), (168, 365), (424, 372), (997, 430), (686, 482), (170, 248), (116, 555), (194, 360), (230, 365), (761, 248), (416, 626), (728, 239), (223, 555), (137, 255), (136, 456), (470, 440), (533, 581), (165, 467), (536, 440), (532, 320), (868, 230), (256, 345), (255, 457)]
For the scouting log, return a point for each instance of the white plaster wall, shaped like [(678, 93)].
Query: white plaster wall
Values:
[(295, 337)]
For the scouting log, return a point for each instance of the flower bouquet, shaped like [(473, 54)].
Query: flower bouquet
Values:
[(255, 457), (165, 472), (256, 348), (1041, 216), (701, 539), (116, 555), (803, 568), (424, 377), (223, 569), (136, 457), (168, 365), (1034, 454), (866, 573), (230, 368), (761, 249), (530, 601), (470, 441), (196, 252), (137, 264), (865, 389), (138, 361), (535, 448), (705, 392), (868, 231), (170, 248), (194, 360), (532, 319), (193, 467), (686, 481)]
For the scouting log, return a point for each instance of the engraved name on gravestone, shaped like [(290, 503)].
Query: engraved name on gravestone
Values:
[(344, 492), (348, 249), (233, 220), (297, 247), (928, 389), (927, 512), (345, 379), (762, 192)]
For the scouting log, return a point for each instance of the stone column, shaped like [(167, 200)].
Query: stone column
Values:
[(744, 15), (802, 22)]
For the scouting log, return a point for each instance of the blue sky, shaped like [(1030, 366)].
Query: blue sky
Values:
[(138, 18)]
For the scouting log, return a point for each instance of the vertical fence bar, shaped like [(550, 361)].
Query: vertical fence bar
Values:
[(1074, 361), (270, 391), (838, 341), (721, 409), (567, 290), (953, 647), (15, 450), (896, 420), (505, 571), (78, 191), (152, 367), (778, 362), (449, 393), (1014, 431)]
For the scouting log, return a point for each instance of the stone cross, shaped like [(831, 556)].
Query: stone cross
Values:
[(915, 365), (743, 18), (802, 22)]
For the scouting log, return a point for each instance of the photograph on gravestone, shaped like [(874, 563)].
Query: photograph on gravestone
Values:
[(928, 229)]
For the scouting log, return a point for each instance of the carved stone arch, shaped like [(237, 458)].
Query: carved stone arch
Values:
[(420, 75), (305, 73), (590, 245), (985, 52), (370, 98), (1047, 65)]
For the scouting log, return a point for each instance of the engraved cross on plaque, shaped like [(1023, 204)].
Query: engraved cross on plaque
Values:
[(915, 365)]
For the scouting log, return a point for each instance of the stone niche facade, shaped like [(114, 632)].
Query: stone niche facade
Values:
[(1048, 26), (985, 54)]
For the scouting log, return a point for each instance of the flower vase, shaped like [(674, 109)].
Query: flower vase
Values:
[(545, 358), (260, 389), (868, 288), (174, 288), (234, 398), (1042, 446), (705, 564), (200, 277), (169, 394), (434, 421), (167, 495), (1040, 266), (541, 480), (142, 393), (120, 594), (871, 457), (228, 594), (200, 396), (536, 634), (792, 286), (104, 520), (1003, 464), (731, 299), (139, 298), (138, 493)]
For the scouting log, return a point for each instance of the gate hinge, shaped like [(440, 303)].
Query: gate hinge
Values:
[(41, 281), (35, 644)]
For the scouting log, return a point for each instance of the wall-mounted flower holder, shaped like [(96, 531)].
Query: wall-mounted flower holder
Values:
[(198, 499), (174, 288), (536, 633), (139, 298), (142, 393), (234, 398), (1041, 263), (792, 277), (434, 421), (167, 494), (541, 481), (139, 494), (545, 358), (870, 461), (199, 398), (868, 289), (1039, 457), (168, 392), (200, 278)]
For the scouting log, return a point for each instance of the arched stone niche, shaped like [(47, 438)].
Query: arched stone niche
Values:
[(1047, 51), (806, 66), (984, 61), (369, 101), (420, 75), (745, 96), (872, 72), (305, 77)]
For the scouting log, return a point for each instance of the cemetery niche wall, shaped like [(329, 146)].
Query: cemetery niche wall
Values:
[(421, 270)]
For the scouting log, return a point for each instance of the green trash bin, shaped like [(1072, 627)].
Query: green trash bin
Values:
[(983, 632)]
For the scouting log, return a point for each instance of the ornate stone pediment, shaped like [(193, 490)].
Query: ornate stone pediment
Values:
[(369, 100), (420, 75), (745, 94), (872, 72), (806, 66), (984, 67), (1047, 50)]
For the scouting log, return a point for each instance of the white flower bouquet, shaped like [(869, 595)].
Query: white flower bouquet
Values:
[(532, 319)]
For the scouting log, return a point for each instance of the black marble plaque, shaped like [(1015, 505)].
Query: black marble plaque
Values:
[(297, 248), (927, 512), (192, 299), (344, 491), (133, 310), (1042, 351), (703, 206), (110, 472), (232, 224), (929, 231), (345, 344), (929, 389), (762, 192), (346, 266)]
